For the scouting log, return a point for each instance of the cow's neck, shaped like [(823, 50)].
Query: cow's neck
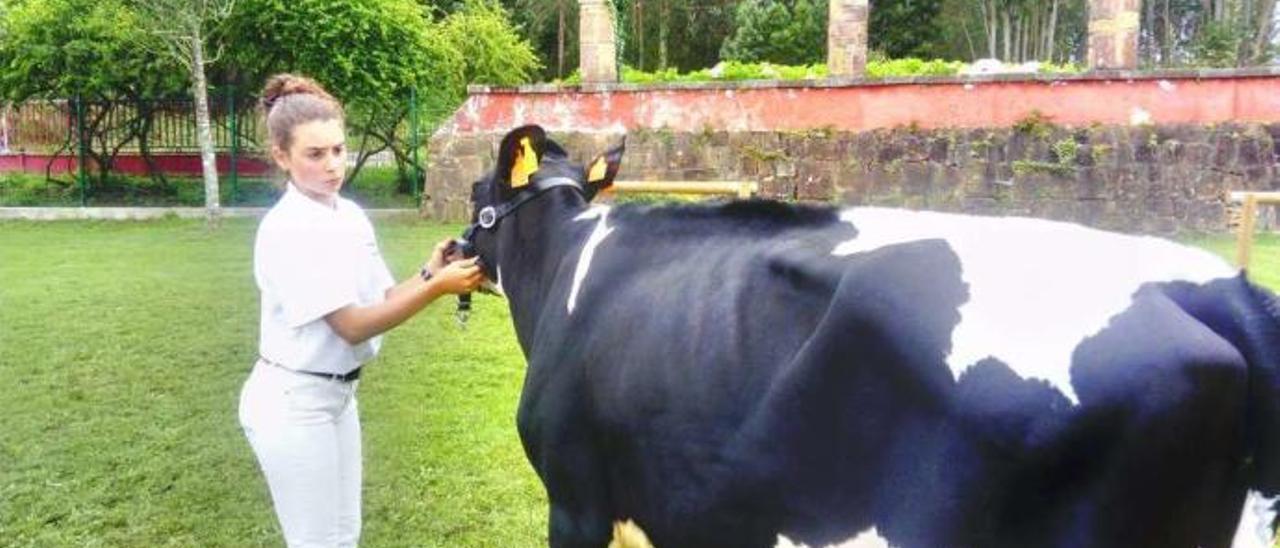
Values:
[(534, 253)]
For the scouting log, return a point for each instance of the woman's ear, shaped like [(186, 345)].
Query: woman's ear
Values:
[(281, 158)]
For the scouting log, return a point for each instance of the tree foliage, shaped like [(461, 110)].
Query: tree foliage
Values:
[(552, 27), (788, 32), (368, 53), (694, 32), (372, 54), (1212, 33), (494, 52), (57, 49), (94, 54), (905, 28), (795, 32)]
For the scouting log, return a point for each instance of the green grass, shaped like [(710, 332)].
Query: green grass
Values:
[(373, 187), (1264, 265), (123, 347)]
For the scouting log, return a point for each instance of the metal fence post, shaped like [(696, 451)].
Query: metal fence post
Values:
[(235, 142), (413, 142), (80, 150)]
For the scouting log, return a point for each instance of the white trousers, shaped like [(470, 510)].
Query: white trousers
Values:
[(305, 431)]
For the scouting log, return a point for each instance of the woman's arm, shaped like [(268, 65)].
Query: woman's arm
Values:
[(433, 265), (356, 324)]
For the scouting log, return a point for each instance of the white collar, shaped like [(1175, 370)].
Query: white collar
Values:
[(294, 195)]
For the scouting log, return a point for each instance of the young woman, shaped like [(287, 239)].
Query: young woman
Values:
[(327, 297)]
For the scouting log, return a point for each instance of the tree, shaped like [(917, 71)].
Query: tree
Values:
[(494, 52), (905, 28), (372, 54), (1215, 33), (181, 28), (369, 53), (785, 32), (551, 25), (796, 30), (677, 34), (1010, 30), (91, 53)]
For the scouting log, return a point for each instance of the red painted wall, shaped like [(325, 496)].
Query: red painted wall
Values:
[(1203, 97)]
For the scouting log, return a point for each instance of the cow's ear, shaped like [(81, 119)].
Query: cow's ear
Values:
[(602, 170), (518, 156)]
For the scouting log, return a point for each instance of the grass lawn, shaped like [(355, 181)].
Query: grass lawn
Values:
[(124, 346), (1264, 267)]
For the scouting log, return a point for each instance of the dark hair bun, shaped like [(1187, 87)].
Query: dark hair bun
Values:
[(284, 85)]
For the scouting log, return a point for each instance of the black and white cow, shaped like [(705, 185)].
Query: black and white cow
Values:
[(758, 373)]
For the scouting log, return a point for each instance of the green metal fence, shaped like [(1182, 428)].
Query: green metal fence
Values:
[(89, 131)]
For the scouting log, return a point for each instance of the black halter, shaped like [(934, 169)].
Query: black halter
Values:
[(489, 216), (487, 219)]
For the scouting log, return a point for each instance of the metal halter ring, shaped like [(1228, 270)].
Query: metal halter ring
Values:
[(488, 217)]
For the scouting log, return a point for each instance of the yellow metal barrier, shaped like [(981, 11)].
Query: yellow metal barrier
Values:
[(741, 189), (1248, 212)]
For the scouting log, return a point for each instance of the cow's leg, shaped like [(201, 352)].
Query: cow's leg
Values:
[(579, 516), (569, 528), (558, 440)]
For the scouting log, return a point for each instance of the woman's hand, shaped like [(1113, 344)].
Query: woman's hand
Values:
[(356, 324), (462, 276), (437, 261)]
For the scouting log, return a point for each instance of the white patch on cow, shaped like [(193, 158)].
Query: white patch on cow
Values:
[(1036, 288), (866, 539), (589, 249), (496, 286), (1254, 530)]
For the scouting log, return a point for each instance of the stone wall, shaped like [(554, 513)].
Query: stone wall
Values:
[(1146, 179), (1150, 152)]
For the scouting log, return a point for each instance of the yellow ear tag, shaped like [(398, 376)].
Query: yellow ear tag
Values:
[(526, 162), (598, 170)]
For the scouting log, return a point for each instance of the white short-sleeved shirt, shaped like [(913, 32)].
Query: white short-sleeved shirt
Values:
[(309, 260)]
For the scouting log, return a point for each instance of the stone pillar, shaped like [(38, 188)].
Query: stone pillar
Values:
[(847, 38), (597, 52), (1113, 34)]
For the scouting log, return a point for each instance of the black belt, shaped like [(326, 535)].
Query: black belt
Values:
[(340, 377)]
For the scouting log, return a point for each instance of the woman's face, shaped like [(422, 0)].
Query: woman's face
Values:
[(317, 160)]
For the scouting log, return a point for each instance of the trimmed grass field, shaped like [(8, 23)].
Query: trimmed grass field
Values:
[(123, 347), (1264, 267)]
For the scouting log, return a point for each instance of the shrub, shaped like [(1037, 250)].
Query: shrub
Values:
[(373, 187), (29, 189), (877, 67)]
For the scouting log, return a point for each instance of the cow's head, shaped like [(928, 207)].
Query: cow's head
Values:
[(533, 184)]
